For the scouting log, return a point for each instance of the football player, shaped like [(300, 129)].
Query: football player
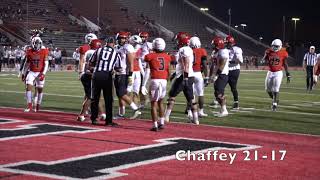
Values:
[(221, 71), (86, 77), (158, 63), (138, 70), (234, 68), (146, 49), (123, 77), (316, 70), (184, 77), (37, 64), (275, 57), (199, 66)]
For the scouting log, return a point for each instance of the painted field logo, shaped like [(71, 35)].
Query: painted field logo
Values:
[(108, 164), (40, 129)]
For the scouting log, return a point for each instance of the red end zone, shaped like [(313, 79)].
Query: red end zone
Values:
[(132, 152)]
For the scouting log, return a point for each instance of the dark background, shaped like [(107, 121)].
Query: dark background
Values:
[(265, 18)]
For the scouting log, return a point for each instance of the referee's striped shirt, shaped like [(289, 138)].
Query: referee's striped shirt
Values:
[(310, 58), (104, 59)]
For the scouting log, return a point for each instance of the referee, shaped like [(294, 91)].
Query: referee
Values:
[(103, 61), (309, 60)]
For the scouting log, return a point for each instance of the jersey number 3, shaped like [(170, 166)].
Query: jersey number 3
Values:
[(161, 61)]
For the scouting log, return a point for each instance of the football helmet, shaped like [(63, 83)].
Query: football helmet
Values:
[(230, 40), (144, 34), (158, 44), (182, 39), (36, 43), (89, 37), (95, 44), (276, 45), (218, 43), (195, 42), (122, 35), (135, 39)]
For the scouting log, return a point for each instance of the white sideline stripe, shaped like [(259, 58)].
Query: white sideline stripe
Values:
[(207, 125), (179, 103)]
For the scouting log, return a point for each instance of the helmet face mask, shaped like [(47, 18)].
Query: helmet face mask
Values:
[(217, 43), (122, 37), (276, 45), (144, 36), (135, 39), (90, 37), (230, 41), (36, 43), (182, 39)]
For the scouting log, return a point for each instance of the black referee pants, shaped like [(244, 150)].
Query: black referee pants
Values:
[(233, 81), (101, 81), (309, 77)]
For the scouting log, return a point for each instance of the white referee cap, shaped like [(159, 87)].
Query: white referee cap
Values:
[(312, 47)]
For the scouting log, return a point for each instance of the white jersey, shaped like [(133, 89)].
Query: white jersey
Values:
[(146, 48), (18, 53), (187, 52), (235, 54), (223, 53), (122, 64), (87, 57)]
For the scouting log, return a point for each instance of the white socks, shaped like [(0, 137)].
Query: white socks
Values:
[(40, 95), (29, 96), (133, 106)]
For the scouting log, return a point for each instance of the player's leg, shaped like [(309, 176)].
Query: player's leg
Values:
[(219, 87), (162, 95), (191, 101), (199, 91), (277, 79), (102, 113), (233, 81), (86, 83), (95, 97), (136, 86), (39, 94), (29, 84), (176, 88), (108, 100), (268, 84)]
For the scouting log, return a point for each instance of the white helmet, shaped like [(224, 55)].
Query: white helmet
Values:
[(135, 39), (158, 44), (36, 43), (195, 42), (89, 37), (276, 45)]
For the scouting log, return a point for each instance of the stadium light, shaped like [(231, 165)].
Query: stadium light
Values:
[(236, 26), (204, 9), (243, 25), (295, 19), (260, 38)]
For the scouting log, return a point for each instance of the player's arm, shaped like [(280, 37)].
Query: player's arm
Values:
[(304, 63), (93, 60), (316, 66), (25, 68), (286, 68), (185, 63), (130, 59), (141, 68), (238, 55), (81, 63)]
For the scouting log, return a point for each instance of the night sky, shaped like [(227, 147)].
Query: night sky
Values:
[(265, 18)]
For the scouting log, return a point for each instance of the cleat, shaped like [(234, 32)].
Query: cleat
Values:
[(102, 117), (155, 129), (81, 118), (118, 116), (29, 108), (136, 114), (196, 122), (94, 122), (202, 114), (235, 106), (37, 108), (222, 114), (274, 108), (113, 124), (167, 119), (161, 126)]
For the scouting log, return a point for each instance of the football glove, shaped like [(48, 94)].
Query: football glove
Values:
[(172, 76), (41, 77), (144, 90), (288, 77), (130, 80), (206, 81)]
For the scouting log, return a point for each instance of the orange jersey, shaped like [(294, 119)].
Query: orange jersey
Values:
[(83, 49), (198, 53), (37, 59), (159, 65), (136, 66), (276, 60), (318, 70)]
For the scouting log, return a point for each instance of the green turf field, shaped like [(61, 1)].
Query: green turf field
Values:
[(298, 111)]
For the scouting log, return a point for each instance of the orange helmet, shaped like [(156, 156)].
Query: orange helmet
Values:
[(218, 43), (182, 39), (95, 44)]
